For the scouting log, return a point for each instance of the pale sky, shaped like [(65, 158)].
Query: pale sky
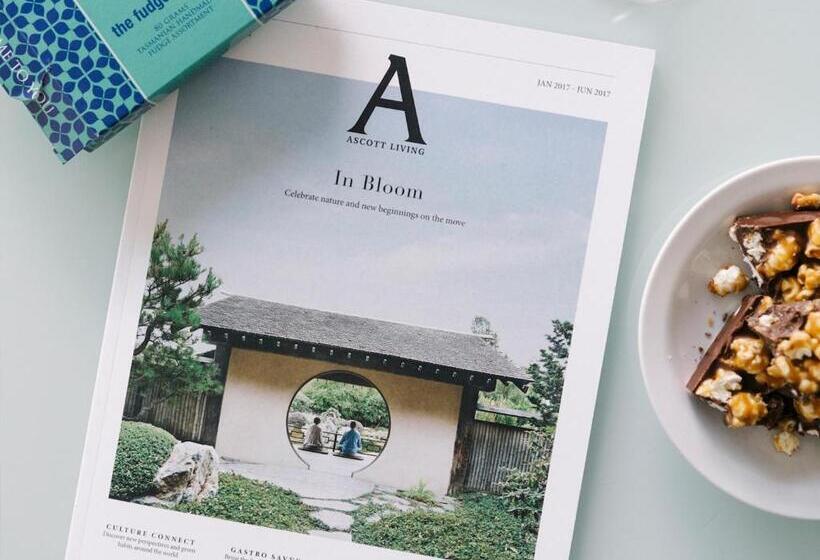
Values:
[(523, 181)]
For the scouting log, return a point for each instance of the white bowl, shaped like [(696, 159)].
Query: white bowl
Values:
[(676, 313)]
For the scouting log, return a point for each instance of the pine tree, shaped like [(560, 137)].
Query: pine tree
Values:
[(481, 326), (165, 364), (548, 374), (523, 490)]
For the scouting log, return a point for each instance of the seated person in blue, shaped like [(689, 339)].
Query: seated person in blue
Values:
[(351, 442)]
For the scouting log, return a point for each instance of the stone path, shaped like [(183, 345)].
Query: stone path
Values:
[(335, 520), (305, 483), (334, 498), (335, 505)]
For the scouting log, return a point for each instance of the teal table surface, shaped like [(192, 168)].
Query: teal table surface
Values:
[(736, 84)]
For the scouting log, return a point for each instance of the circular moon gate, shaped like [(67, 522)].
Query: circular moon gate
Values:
[(338, 423)]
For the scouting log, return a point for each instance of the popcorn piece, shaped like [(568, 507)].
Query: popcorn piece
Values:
[(783, 371), (809, 201), (785, 440), (791, 290), (809, 276), (748, 354), (767, 321), (752, 243), (777, 375), (782, 256), (813, 243), (745, 409), (720, 387), (809, 380), (813, 324), (766, 303), (798, 346), (808, 408), (728, 280)]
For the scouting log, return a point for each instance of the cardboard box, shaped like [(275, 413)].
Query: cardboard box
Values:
[(86, 69)]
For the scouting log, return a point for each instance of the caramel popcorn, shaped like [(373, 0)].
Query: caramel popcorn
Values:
[(792, 290), (798, 346), (809, 276), (748, 354), (785, 440), (809, 381), (809, 201), (766, 303), (783, 371), (813, 244), (778, 373), (720, 387), (745, 409), (728, 280), (812, 326), (808, 408), (783, 255)]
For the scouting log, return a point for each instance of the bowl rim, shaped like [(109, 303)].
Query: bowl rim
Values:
[(653, 277)]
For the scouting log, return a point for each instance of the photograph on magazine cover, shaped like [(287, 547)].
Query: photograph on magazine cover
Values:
[(358, 311)]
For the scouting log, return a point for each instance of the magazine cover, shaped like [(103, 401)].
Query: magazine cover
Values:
[(362, 295)]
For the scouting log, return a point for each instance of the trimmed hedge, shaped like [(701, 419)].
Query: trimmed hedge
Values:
[(255, 503), (141, 451)]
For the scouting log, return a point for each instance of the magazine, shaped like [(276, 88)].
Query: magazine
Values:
[(362, 295)]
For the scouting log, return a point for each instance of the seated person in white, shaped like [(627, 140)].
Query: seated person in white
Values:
[(313, 442)]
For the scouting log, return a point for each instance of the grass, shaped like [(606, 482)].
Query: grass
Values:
[(255, 503), (480, 529)]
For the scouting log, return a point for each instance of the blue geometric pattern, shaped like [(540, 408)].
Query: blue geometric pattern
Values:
[(266, 9), (55, 63), (51, 58)]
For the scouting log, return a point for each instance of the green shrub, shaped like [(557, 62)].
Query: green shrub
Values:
[(141, 451), (480, 529), (302, 403), (354, 402), (420, 493), (255, 503)]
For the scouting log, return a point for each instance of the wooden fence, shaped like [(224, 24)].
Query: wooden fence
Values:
[(189, 418), (496, 448)]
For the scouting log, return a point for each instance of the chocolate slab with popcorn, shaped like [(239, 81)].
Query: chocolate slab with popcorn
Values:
[(778, 246), (763, 368)]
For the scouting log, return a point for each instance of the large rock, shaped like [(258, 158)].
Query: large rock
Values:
[(298, 419), (191, 474)]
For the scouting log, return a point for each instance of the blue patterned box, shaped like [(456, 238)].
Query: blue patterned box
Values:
[(85, 69)]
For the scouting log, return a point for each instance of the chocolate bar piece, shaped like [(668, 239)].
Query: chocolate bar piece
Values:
[(782, 320), (762, 369), (777, 219), (776, 243), (720, 345)]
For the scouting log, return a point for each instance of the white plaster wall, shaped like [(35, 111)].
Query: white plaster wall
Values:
[(258, 392)]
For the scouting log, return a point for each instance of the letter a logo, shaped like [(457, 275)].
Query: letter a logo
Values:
[(398, 65)]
